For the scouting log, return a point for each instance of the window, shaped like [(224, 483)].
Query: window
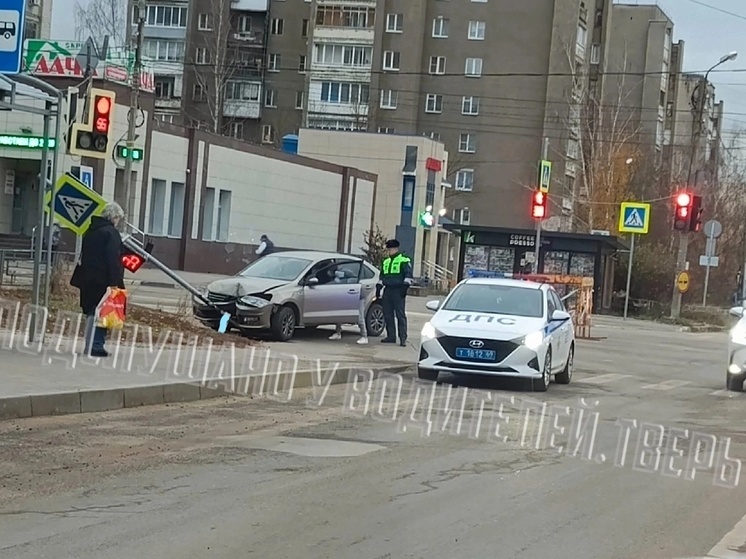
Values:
[(244, 24), (433, 136), (496, 299), (465, 180), (344, 93), (162, 16), (198, 93), (273, 63), (224, 215), (205, 22), (385, 130), (270, 98), (582, 41), (462, 216), (572, 149), (304, 28), (473, 67), (394, 23), (235, 130), (440, 27), (176, 209), (664, 76), (157, 206), (342, 55), (391, 60), (476, 30), (162, 49), (238, 91), (437, 65), (433, 103), (470, 105), (467, 143), (208, 215), (203, 56), (339, 16), (268, 134), (389, 99), (164, 87), (278, 26), (595, 53), (300, 98)]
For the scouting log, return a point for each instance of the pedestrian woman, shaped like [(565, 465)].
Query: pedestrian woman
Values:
[(100, 268)]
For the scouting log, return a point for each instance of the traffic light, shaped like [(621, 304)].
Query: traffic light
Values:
[(696, 223), (123, 152), (132, 262), (91, 138), (683, 216), (539, 205), (426, 218)]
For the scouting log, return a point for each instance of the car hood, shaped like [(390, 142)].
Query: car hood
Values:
[(490, 326), (239, 286)]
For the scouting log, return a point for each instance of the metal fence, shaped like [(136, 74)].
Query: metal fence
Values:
[(17, 266)]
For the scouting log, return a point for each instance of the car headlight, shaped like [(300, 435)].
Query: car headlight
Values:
[(534, 340), (428, 332), (738, 334), (252, 301)]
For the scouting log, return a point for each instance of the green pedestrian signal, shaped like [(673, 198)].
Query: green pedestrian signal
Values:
[(123, 152)]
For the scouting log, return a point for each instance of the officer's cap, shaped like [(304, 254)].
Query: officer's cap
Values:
[(393, 243)]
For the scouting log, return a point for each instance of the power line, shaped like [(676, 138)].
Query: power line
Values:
[(711, 7)]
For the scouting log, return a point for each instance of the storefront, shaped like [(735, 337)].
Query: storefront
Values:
[(491, 251)]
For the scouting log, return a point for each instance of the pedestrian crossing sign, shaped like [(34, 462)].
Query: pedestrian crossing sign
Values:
[(634, 217), (74, 204)]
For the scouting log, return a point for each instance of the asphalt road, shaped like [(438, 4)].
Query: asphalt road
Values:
[(256, 478)]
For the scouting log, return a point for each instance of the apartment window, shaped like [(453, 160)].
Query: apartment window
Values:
[(238, 91), (224, 215), (157, 206), (176, 209), (270, 98), (300, 98), (470, 106), (659, 134), (268, 134), (467, 143), (473, 67), (433, 136), (581, 42), (164, 87), (244, 24), (198, 92), (433, 103), (386, 130), (162, 16), (394, 23), (278, 26), (205, 22), (167, 118), (476, 30), (391, 60), (389, 99), (235, 130), (664, 76), (273, 63), (162, 49), (463, 216), (595, 53), (343, 93), (440, 27), (437, 65), (302, 63), (573, 149), (465, 180), (339, 16), (304, 28), (342, 55), (203, 56), (208, 215)]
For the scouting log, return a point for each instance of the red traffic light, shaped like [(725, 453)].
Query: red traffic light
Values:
[(683, 199), (101, 114), (538, 209), (132, 262), (103, 105)]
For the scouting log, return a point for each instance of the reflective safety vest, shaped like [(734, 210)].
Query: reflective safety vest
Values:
[(392, 266)]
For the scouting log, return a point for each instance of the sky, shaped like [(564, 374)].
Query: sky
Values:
[(709, 29)]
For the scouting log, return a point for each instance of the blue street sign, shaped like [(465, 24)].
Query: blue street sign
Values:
[(75, 204), (634, 217), (12, 22), (86, 176)]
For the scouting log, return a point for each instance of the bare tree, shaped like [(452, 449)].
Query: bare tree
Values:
[(98, 18)]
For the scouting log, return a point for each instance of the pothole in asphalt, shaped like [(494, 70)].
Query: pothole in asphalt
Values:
[(316, 448)]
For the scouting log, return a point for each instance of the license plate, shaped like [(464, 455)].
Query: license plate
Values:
[(476, 354)]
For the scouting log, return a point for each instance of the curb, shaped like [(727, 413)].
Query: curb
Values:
[(91, 401)]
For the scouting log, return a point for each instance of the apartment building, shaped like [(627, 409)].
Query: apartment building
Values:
[(38, 19)]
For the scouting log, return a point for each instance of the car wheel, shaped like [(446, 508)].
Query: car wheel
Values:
[(566, 375), (374, 321), (734, 383), (283, 324), (542, 384), (427, 374)]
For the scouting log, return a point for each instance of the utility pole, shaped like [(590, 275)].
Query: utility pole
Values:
[(129, 186), (537, 248)]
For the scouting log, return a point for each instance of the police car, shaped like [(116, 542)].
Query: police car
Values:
[(499, 327), (736, 374)]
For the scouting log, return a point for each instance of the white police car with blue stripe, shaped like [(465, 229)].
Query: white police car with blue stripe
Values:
[(499, 327)]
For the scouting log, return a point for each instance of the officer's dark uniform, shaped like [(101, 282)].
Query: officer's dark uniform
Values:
[(396, 275)]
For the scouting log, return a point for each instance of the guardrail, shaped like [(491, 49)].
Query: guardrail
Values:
[(18, 264)]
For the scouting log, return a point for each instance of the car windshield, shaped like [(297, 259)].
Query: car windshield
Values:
[(284, 268), (497, 299)]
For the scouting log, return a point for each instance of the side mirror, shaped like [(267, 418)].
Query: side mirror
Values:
[(560, 316), (737, 312), (312, 281), (432, 305)]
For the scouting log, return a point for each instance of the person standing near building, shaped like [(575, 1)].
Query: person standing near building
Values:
[(265, 246), (396, 277)]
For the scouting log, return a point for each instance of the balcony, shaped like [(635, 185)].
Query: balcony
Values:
[(242, 109), (250, 5), (167, 103), (248, 39), (342, 35)]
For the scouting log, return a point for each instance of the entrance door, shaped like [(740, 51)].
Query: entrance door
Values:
[(24, 205)]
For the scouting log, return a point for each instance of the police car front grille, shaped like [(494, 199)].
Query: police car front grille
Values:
[(501, 348)]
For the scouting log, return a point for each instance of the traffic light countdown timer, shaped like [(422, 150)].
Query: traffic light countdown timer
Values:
[(91, 138), (688, 212)]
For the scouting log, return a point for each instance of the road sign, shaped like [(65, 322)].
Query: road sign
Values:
[(86, 176), (682, 282), (75, 203), (634, 217), (12, 22), (709, 261), (713, 229), (545, 175)]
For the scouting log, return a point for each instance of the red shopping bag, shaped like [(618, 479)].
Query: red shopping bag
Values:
[(112, 310)]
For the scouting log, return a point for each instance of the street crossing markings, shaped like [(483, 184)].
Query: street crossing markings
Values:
[(667, 385), (604, 379), (75, 207)]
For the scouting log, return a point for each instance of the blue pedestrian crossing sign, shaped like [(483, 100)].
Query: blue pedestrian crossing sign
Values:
[(545, 175), (634, 217), (75, 204)]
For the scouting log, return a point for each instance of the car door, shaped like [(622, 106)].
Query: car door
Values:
[(332, 300), (368, 280), (563, 332), (552, 331)]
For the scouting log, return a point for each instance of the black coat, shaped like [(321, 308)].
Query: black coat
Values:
[(100, 262)]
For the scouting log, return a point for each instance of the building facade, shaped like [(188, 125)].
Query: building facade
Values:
[(38, 19)]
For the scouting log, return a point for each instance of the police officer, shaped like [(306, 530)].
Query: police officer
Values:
[(396, 277)]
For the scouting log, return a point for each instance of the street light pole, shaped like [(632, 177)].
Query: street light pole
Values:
[(693, 156)]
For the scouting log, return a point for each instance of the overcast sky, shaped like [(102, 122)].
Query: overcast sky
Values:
[(710, 29)]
